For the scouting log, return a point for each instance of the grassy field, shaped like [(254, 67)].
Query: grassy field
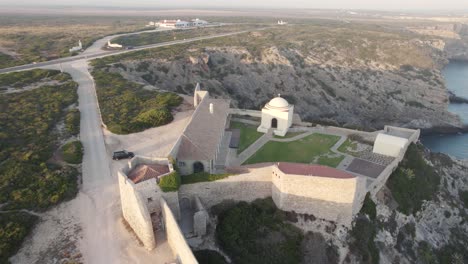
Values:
[(128, 108), (248, 135), (304, 150), (170, 35), (202, 177), (289, 135), (39, 38), (348, 147)]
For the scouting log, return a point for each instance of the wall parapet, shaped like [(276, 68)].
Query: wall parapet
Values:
[(175, 237)]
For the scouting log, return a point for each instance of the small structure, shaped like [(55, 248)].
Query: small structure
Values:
[(76, 48), (173, 23), (282, 23), (151, 24), (389, 145), (113, 45), (278, 115)]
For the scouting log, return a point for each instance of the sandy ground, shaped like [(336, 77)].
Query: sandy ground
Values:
[(90, 227)]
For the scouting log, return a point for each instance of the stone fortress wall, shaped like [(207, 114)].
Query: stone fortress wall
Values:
[(333, 199), (175, 237)]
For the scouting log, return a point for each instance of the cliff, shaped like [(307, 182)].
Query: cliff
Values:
[(356, 76)]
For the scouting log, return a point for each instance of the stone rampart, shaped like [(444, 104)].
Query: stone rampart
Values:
[(254, 113), (175, 238), (135, 212)]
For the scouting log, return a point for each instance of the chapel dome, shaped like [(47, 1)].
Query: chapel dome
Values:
[(278, 102)]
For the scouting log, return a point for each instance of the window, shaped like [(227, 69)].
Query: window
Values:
[(150, 200), (181, 164)]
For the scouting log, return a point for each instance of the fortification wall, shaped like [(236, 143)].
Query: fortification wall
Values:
[(175, 238), (245, 187), (135, 212), (326, 198)]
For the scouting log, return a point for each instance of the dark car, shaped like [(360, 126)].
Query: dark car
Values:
[(123, 154)]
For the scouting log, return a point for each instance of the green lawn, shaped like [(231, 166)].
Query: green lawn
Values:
[(203, 177), (304, 150), (349, 147), (248, 135), (330, 161), (290, 135)]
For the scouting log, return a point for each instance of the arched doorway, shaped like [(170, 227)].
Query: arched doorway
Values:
[(198, 167), (274, 123)]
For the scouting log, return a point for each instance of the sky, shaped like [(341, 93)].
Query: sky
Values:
[(455, 5)]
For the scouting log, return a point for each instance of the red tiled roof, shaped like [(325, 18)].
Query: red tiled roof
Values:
[(145, 172), (313, 170)]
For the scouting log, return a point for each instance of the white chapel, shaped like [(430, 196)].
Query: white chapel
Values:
[(277, 115)]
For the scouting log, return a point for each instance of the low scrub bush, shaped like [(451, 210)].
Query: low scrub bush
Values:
[(73, 152)]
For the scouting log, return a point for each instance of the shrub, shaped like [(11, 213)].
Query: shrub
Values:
[(170, 183), (413, 182), (369, 207), (209, 257), (72, 122), (463, 195), (73, 152), (14, 227), (258, 233), (362, 243)]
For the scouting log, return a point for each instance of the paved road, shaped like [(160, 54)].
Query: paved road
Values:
[(85, 56)]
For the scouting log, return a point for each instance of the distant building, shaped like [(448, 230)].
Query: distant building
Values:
[(77, 48), (198, 22), (281, 22), (181, 23), (113, 45), (151, 24)]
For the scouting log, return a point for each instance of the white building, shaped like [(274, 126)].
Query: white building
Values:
[(113, 45), (198, 22), (281, 22), (173, 23), (389, 145), (278, 115), (77, 48)]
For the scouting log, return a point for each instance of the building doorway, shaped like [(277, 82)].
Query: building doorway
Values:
[(198, 167), (274, 123)]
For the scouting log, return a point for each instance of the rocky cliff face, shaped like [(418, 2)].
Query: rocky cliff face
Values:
[(356, 78)]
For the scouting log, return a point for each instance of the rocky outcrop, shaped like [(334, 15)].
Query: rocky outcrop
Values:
[(349, 78)]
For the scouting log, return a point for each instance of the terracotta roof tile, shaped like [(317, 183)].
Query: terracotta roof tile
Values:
[(145, 172)]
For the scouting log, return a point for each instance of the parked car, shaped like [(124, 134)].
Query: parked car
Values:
[(123, 154)]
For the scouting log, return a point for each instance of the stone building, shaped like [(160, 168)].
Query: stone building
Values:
[(201, 147), (389, 145), (277, 115)]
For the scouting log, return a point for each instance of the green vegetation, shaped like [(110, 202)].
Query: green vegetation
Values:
[(258, 233), (128, 108), (463, 195), (73, 152), (165, 36), (72, 122), (369, 207), (248, 135), (41, 38), (14, 227), (289, 135), (21, 79), (414, 181), (330, 161), (348, 147), (362, 240), (202, 177), (171, 182), (28, 139), (209, 257), (304, 150)]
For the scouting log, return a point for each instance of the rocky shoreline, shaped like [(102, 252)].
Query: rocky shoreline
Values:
[(454, 99)]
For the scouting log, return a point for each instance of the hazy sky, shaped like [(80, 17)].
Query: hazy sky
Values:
[(336, 4)]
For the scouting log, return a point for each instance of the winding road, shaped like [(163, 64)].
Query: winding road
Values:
[(98, 200)]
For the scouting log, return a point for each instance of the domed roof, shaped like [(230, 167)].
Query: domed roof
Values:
[(278, 102)]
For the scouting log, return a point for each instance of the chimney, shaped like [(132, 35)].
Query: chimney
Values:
[(211, 108)]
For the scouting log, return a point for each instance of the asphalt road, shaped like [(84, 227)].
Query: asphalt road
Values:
[(100, 54)]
